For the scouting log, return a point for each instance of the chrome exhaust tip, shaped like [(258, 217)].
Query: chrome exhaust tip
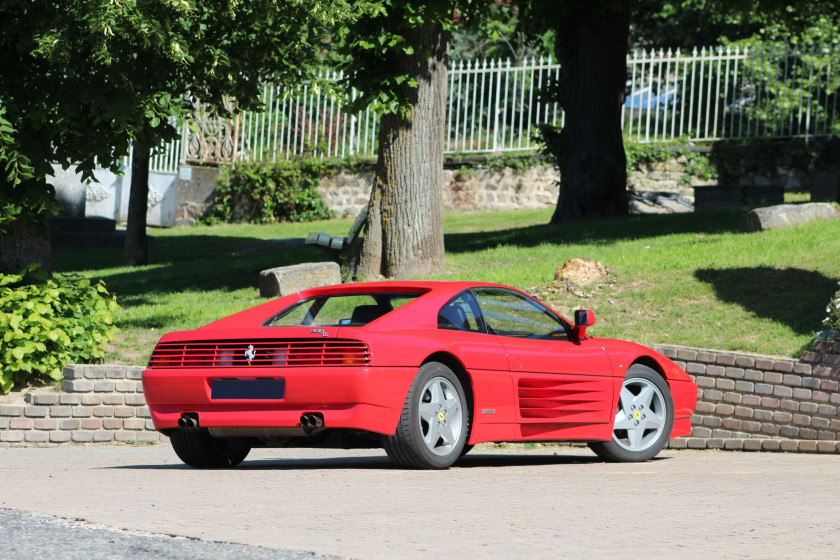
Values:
[(188, 421), (312, 421)]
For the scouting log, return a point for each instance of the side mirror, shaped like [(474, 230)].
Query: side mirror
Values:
[(583, 318)]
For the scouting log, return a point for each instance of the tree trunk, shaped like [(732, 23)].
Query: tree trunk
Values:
[(136, 246), (590, 147), (404, 234), (23, 245)]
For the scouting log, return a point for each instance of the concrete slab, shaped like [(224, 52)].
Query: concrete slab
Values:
[(547, 502)]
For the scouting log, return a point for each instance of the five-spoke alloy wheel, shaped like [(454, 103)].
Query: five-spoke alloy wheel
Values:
[(434, 423), (643, 420)]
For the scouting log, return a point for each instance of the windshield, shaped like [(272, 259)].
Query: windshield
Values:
[(340, 310)]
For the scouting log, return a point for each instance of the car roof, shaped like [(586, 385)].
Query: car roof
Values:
[(431, 290), (421, 286)]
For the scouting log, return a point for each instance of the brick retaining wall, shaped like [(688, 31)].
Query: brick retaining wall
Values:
[(745, 402), (97, 403), (754, 403)]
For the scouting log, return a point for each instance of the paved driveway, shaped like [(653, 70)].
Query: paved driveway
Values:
[(540, 503)]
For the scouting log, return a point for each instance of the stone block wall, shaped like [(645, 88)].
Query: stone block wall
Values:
[(476, 189), (96, 404), (666, 176), (752, 403), (745, 402), (501, 188), (491, 189)]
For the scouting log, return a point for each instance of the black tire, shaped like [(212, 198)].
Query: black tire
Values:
[(431, 441), (203, 451), (643, 422)]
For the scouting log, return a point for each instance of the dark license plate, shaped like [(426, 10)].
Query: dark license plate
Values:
[(248, 389)]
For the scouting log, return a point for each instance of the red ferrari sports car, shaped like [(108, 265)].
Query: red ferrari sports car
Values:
[(424, 369)]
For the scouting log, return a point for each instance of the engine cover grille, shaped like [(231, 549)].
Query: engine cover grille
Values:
[(272, 353)]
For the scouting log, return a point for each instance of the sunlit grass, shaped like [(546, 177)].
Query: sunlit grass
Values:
[(704, 284), (689, 279)]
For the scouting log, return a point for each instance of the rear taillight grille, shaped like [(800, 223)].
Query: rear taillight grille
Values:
[(285, 353)]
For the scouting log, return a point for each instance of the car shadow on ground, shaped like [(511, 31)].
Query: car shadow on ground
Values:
[(471, 461)]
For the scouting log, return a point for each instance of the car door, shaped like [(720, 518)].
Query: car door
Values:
[(485, 358), (563, 388)]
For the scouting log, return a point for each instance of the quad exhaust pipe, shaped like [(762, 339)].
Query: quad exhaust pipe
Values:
[(312, 421), (309, 421), (188, 421)]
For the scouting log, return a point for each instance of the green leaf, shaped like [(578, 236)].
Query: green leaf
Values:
[(6, 382), (48, 324)]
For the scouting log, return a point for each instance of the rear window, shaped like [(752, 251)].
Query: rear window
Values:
[(340, 310)]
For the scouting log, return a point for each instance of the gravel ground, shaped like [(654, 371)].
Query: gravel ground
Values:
[(29, 535)]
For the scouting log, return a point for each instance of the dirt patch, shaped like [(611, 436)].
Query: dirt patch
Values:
[(581, 271)]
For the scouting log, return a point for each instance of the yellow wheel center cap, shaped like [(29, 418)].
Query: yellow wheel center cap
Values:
[(637, 415), (441, 416)]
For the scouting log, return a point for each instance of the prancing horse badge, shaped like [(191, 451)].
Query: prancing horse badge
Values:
[(250, 353)]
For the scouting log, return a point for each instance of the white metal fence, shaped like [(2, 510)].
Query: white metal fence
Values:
[(493, 107), (732, 93)]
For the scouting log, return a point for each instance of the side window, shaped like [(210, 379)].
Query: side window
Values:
[(328, 311), (508, 313), (340, 309), (460, 314), (300, 314)]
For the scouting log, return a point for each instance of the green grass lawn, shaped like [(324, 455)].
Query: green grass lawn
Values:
[(688, 279)]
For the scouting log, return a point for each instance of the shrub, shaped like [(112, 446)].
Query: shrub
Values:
[(49, 323), (640, 155), (832, 320), (266, 193)]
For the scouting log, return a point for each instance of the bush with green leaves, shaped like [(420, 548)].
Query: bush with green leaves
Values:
[(832, 320), (49, 323), (266, 193)]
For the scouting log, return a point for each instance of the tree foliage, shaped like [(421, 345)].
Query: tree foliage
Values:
[(697, 23), (372, 45), (21, 198), (82, 79), (498, 35)]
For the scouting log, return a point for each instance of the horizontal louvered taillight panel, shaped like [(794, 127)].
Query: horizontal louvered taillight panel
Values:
[(273, 353)]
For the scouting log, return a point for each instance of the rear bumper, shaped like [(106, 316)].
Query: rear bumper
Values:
[(363, 398)]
